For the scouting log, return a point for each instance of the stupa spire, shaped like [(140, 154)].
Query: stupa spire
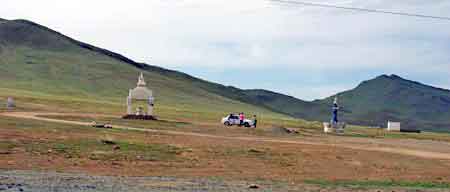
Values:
[(141, 81)]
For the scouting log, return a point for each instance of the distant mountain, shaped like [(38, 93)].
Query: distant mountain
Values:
[(376, 101), (373, 103)]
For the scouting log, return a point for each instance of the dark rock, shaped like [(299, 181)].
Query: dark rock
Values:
[(5, 152), (253, 186), (108, 142), (253, 150)]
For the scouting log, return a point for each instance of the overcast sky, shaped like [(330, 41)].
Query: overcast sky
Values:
[(307, 52)]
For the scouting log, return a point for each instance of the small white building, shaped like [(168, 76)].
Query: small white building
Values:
[(394, 126)]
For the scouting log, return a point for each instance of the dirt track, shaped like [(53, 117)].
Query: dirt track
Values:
[(442, 154)]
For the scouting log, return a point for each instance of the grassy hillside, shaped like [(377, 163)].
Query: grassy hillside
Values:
[(373, 103), (37, 63), (288, 104)]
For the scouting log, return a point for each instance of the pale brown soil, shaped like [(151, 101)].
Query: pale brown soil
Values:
[(284, 159)]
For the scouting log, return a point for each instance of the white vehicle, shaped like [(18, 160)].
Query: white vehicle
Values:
[(98, 125), (233, 119)]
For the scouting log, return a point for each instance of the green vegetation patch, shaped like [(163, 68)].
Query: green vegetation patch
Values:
[(6, 146), (382, 184), (34, 126), (113, 151)]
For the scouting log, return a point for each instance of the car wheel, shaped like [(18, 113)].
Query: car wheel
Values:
[(247, 125), (227, 124)]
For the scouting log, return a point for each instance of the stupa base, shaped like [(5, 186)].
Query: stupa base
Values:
[(140, 117)]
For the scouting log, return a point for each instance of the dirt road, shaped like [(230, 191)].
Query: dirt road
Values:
[(366, 147)]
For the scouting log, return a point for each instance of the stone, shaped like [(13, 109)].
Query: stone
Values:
[(108, 142), (253, 150), (292, 130), (334, 128), (253, 186), (5, 152)]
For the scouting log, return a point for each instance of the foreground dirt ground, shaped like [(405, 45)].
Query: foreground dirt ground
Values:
[(232, 155)]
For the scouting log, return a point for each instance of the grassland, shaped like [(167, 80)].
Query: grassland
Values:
[(76, 78)]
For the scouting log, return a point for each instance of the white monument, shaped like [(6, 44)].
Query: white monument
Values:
[(140, 93), (10, 103), (334, 126), (394, 126)]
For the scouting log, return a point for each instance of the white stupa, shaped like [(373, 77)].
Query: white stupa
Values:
[(10, 103), (140, 93)]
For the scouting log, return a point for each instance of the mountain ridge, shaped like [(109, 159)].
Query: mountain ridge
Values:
[(125, 59), (397, 77), (81, 44)]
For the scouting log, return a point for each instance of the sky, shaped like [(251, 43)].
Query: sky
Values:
[(306, 52)]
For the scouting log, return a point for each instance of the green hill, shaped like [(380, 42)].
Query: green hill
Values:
[(385, 98), (36, 60), (373, 103)]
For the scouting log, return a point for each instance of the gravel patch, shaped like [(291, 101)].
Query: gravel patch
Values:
[(19, 181), (64, 182)]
